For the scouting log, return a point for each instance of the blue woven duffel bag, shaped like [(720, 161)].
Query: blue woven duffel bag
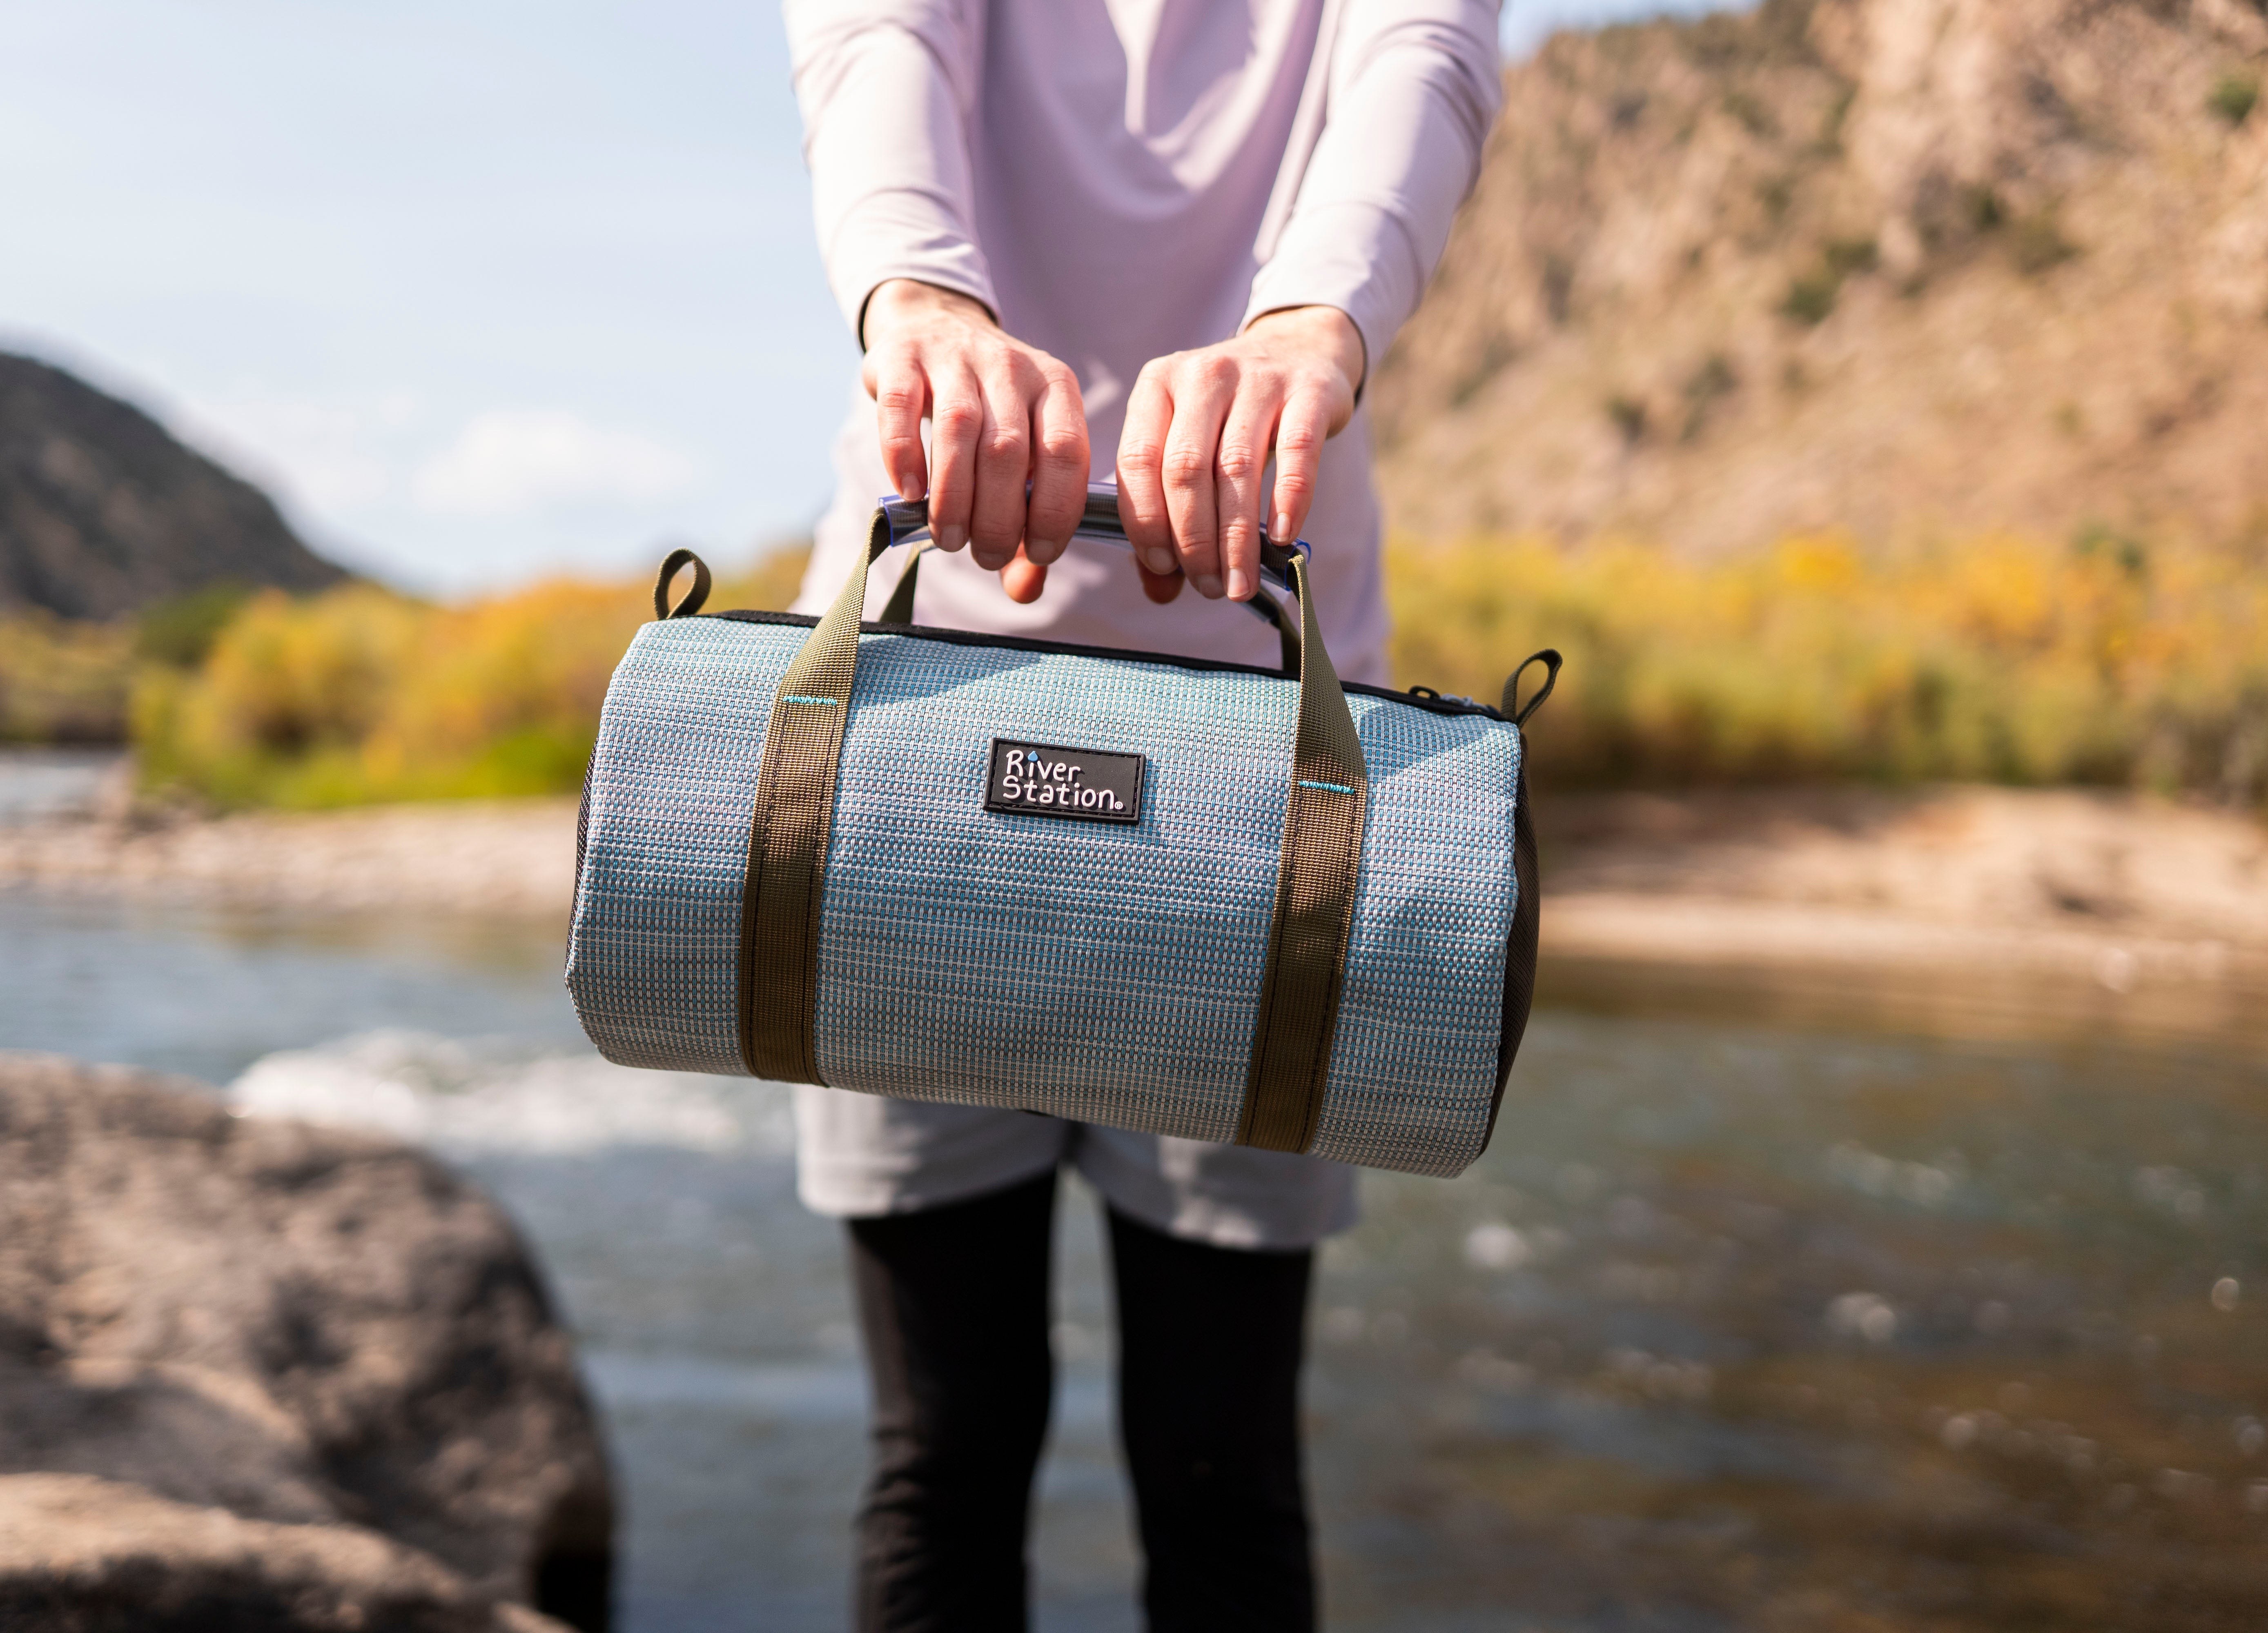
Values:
[(1192, 898)]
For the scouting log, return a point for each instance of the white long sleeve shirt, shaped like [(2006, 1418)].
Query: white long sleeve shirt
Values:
[(1118, 179)]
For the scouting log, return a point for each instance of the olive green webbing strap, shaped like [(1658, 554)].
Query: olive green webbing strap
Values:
[(787, 836), (899, 609), (1314, 906)]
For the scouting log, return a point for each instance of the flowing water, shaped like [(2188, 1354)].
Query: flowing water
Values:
[(1764, 1312)]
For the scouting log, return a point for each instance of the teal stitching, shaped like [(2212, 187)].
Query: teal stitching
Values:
[(1334, 788), (792, 698)]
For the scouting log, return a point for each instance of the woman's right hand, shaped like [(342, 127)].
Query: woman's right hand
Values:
[(1002, 414)]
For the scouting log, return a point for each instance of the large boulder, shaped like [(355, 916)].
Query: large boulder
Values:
[(260, 1375)]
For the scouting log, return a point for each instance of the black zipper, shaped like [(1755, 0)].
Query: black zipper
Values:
[(1417, 697)]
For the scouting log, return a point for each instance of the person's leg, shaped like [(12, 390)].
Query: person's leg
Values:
[(1208, 1353), (954, 1309)]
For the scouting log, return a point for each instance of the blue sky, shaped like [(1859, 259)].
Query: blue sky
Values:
[(479, 290)]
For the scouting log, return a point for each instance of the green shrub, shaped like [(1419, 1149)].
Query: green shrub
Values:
[(2234, 97), (1846, 257), (1810, 298), (183, 630), (2037, 244)]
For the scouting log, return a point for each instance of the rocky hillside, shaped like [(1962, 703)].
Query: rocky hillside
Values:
[(1904, 267), (103, 512)]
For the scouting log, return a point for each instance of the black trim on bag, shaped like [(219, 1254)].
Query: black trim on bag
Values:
[(583, 821), (1426, 700), (1519, 946)]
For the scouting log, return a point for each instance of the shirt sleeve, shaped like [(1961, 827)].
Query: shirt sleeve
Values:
[(1412, 89), (885, 88)]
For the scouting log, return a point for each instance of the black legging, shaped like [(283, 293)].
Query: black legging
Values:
[(954, 1303)]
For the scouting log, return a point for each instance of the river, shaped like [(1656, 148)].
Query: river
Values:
[(1759, 1313)]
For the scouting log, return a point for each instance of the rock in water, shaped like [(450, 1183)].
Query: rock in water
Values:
[(103, 512), (262, 1376)]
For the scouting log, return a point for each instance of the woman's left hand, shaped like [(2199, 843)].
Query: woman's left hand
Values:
[(1200, 428)]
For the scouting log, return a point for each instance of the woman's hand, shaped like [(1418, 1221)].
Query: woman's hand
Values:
[(1002, 414), (1200, 426)]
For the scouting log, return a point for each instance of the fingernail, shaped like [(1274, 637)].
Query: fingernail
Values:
[(1282, 532), (1210, 587), (1045, 551), (1160, 563), (1238, 585), (951, 536)]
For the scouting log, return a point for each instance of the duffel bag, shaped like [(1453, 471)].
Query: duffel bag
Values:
[(1185, 897)]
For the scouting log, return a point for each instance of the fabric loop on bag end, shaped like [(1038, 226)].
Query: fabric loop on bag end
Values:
[(1512, 709), (696, 598)]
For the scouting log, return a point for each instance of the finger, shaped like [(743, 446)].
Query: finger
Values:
[(1059, 466), (1141, 482), (901, 398), (1159, 588), (1238, 468), (956, 421), (1023, 579), (1003, 462), (1202, 395), (1300, 432)]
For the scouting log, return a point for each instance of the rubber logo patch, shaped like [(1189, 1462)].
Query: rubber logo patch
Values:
[(1046, 779)]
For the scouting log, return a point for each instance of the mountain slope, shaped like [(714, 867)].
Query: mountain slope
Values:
[(1902, 267), (102, 511)]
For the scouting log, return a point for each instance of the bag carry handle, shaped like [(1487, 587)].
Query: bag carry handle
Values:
[(1322, 858), (1100, 522)]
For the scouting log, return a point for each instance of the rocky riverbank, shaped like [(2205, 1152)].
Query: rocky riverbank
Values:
[(2107, 889), (510, 858), (2112, 887)]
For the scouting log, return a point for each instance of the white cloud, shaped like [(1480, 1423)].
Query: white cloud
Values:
[(330, 455), (514, 461)]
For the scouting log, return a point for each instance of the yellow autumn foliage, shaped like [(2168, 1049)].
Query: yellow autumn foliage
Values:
[(1996, 658), (1999, 658), (62, 681), (360, 695)]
